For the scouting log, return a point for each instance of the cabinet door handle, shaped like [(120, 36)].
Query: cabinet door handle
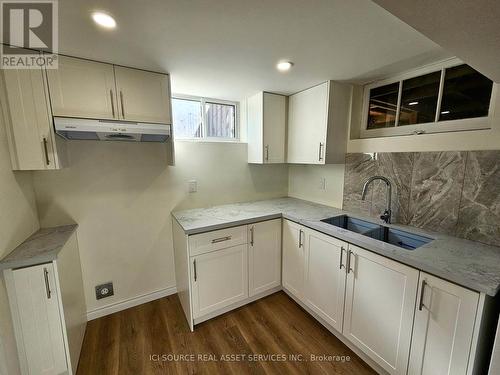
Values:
[(47, 286), (112, 102), (300, 238), (121, 100), (341, 256), (267, 152), (349, 268), (195, 274), (222, 239), (46, 149), (320, 158), (251, 235), (422, 292)]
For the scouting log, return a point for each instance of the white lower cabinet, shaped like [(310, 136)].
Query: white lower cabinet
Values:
[(219, 279), (443, 328), (39, 320), (379, 307), (48, 310), (325, 277), (293, 258), (264, 256)]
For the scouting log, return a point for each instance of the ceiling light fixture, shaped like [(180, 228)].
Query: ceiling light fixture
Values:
[(445, 112), (412, 103), (104, 20), (284, 66)]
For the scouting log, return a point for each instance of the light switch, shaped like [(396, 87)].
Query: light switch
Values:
[(192, 186)]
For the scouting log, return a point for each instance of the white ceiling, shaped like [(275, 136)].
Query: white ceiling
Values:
[(468, 28), (228, 48)]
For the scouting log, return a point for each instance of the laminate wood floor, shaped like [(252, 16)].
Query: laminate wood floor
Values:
[(154, 338)]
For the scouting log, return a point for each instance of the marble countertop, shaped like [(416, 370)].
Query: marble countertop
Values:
[(41, 247), (467, 263)]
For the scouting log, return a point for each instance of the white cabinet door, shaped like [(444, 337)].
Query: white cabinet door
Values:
[(307, 125), (83, 88), (379, 308), (264, 256), (219, 279), (266, 125), (274, 128), (31, 138), (39, 325), (325, 277), (293, 258), (143, 96), (443, 328)]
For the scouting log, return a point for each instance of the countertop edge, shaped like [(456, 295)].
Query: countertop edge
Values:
[(44, 257)]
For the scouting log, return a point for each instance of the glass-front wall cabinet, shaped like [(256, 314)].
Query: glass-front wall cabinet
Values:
[(451, 98)]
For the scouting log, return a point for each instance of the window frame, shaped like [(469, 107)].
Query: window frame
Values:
[(203, 101), (475, 123)]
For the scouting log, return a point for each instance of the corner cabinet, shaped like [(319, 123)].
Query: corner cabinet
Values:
[(266, 123), (220, 270), (89, 89), (293, 258), (264, 256), (26, 113), (318, 120)]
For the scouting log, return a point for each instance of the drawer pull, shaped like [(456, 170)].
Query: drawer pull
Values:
[(222, 239)]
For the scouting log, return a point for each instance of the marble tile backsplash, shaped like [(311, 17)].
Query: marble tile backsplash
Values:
[(457, 193)]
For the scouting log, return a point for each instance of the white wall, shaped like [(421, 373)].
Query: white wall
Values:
[(121, 195), (304, 182), (18, 220)]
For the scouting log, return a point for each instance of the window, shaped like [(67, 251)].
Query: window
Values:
[(430, 100), (200, 118)]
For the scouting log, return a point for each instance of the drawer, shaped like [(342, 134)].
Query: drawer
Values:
[(218, 239)]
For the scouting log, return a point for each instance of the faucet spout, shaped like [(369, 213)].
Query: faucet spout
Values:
[(387, 213)]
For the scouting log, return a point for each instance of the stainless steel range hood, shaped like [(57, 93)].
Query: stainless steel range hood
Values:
[(110, 130)]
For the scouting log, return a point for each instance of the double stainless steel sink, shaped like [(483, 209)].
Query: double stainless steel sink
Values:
[(397, 237)]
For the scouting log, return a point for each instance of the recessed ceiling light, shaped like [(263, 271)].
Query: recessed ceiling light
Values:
[(284, 66), (445, 112), (104, 20), (412, 103)]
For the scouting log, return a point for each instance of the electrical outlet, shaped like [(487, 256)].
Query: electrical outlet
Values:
[(192, 186), (104, 290)]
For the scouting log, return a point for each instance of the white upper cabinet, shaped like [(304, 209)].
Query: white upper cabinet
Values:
[(317, 124), (83, 88), (293, 258), (266, 122), (28, 119), (264, 256), (443, 328), (379, 308), (143, 96), (89, 89)]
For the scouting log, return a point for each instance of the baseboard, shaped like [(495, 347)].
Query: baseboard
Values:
[(128, 303)]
